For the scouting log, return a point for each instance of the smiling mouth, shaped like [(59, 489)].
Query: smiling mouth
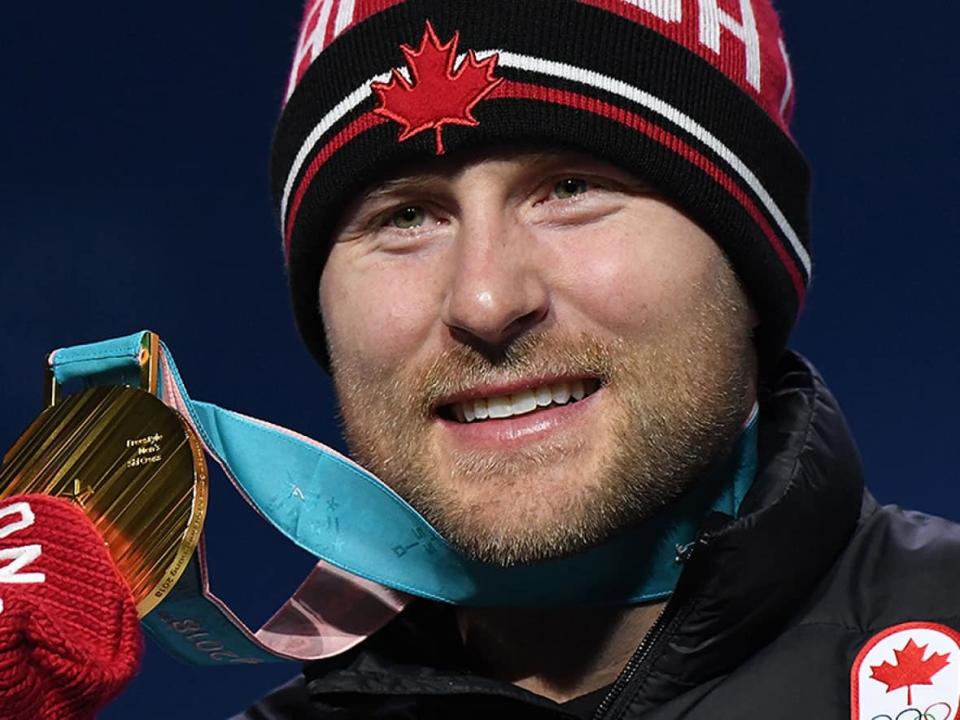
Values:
[(522, 402)]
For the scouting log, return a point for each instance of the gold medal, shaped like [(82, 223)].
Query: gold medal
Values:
[(135, 468)]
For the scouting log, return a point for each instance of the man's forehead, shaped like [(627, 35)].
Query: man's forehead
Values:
[(431, 171)]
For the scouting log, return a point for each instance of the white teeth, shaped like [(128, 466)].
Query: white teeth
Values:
[(544, 396), (561, 393), (480, 409), (500, 407), (523, 402), (576, 390)]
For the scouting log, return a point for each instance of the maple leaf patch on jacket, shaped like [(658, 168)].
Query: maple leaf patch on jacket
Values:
[(909, 668), (440, 93)]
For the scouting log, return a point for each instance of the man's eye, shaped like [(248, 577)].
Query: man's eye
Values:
[(407, 218), (570, 187)]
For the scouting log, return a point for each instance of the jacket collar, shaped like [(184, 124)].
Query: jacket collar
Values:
[(752, 573)]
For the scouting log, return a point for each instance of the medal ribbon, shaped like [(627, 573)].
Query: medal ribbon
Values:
[(374, 548)]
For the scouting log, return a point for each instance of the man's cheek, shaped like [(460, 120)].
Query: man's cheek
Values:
[(386, 316), (606, 293)]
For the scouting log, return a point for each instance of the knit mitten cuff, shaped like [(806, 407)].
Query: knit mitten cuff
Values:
[(69, 632)]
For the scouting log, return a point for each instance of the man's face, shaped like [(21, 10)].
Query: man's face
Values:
[(534, 350)]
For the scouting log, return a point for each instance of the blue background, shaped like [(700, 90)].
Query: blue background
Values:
[(134, 143)]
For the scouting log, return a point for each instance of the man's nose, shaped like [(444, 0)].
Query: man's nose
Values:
[(497, 291)]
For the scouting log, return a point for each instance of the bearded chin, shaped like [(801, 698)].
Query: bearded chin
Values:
[(669, 408)]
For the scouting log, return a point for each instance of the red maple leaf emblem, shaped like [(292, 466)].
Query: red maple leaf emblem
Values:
[(911, 668), (439, 95)]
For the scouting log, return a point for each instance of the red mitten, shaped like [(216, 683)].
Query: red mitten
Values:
[(69, 633)]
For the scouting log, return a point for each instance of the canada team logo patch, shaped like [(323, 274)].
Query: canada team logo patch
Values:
[(908, 672)]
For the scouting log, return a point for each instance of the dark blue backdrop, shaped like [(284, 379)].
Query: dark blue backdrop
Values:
[(134, 145)]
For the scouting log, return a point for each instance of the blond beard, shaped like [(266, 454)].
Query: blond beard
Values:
[(679, 396)]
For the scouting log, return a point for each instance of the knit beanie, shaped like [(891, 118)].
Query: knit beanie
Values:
[(69, 633), (693, 96)]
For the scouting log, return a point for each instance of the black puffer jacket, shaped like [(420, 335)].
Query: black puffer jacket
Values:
[(766, 622)]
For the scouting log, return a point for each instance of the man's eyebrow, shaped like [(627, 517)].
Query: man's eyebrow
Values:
[(432, 181), (426, 182)]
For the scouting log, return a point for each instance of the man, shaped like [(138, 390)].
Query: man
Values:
[(551, 253)]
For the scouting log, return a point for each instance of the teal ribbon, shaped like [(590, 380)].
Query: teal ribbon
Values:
[(343, 514)]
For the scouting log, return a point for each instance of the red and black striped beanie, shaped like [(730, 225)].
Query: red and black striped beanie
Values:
[(694, 96)]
